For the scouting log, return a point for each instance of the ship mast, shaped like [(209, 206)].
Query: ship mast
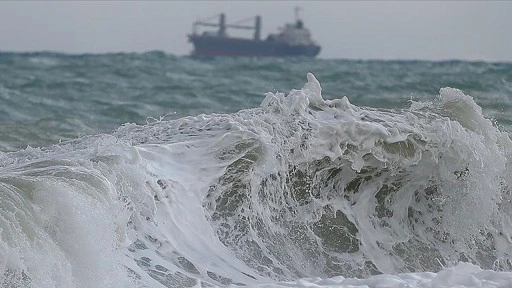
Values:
[(223, 26)]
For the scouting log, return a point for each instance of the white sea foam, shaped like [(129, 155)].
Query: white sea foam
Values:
[(462, 275), (302, 192)]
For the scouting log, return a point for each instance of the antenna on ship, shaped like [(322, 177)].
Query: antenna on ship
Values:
[(297, 9), (298, 22)]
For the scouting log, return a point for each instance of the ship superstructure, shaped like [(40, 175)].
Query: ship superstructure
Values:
[(293, 40)]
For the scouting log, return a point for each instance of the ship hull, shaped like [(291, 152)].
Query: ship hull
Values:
[(205, 45)]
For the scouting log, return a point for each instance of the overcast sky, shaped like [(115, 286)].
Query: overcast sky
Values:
[(429, 30)]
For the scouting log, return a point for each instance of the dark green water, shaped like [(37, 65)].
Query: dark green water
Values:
[(49, 97)]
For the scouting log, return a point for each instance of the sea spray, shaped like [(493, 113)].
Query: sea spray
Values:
[(357, 191), (58, 224)]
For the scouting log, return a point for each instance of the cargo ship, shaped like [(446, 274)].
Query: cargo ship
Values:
[(292, 40)]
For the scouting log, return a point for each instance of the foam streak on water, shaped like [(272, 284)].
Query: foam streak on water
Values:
[(298, 192)]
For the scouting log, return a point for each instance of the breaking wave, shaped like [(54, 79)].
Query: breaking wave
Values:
[(299, 188)]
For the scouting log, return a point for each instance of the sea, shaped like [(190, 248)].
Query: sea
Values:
[(156, 170)]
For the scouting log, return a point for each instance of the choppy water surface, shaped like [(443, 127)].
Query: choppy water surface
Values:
[(151, 170)]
